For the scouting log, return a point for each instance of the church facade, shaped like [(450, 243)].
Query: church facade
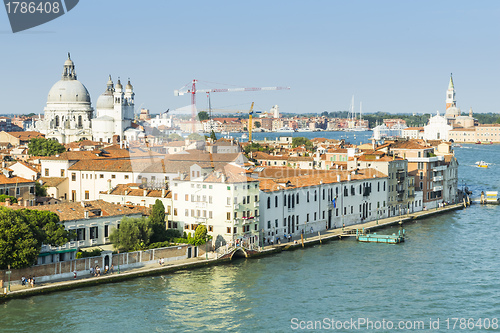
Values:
[(69, 116)]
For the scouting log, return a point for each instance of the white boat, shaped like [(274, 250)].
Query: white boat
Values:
[(244, 136), (306, 129), (482, 164), (284, 129)]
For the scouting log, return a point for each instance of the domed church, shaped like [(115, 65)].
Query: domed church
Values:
[(69, 114)]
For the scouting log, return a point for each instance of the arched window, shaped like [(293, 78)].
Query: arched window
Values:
[(57, 121), (276, 201), (297, 197), (315, 195), (284, 200), (307, 196), (268, 202), (79, 121)]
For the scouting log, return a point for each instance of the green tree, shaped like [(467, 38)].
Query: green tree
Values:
[(175, 137), (45, 147), (299, 141), (203, 115), (196, 137), (19, 246), (257, 124), (157, 222), (48, 228), (128, 236), (213, 136), (200, 235), (40, 190), (22, 233), (5, 196)]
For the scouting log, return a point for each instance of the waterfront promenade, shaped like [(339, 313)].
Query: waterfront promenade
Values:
[(18, 291)]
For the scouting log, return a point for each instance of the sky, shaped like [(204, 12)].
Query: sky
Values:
[(393, 56)]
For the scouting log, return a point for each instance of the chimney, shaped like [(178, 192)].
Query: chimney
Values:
[(126, 192), (163, 193), (374, 144), (338, 178), (109, 186), (86, 214), (145, 192), (349, 177)]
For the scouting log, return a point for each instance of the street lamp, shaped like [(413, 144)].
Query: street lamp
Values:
[(8, 273)]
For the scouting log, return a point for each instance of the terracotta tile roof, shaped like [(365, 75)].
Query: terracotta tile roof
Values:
[(414, 129), (13, 180), (69, 211), (317, 178), (461, 129), (175, 144), (52, 181), (28, 166), (274, 172), (232, 173), (135, 190), (121, 165), (26, 135), (410, 144)]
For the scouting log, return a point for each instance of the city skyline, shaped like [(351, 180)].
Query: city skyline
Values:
[(394, 57)]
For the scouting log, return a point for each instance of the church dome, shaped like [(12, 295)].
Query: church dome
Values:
[(68, 91), (453, 112), (105, 101)]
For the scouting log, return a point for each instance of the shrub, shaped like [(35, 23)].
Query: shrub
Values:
[(86, 254)]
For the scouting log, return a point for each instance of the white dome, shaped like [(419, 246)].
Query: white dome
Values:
[(68, 91), (105, 101)]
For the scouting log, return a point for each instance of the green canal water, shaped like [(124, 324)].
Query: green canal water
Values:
[(447, 268)]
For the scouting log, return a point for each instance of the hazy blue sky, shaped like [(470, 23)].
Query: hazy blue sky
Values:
[(394, 56)]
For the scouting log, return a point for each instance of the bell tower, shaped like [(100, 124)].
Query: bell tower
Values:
[(450, 94)]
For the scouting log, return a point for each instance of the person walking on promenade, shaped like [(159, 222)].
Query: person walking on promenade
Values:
[(23, 281), (112, 268)]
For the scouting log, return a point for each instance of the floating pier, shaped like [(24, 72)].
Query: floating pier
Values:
[(376, 238)]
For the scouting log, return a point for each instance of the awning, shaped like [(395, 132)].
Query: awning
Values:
[(43, 254)]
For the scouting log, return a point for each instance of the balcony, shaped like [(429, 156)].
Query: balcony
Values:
[(401, 197), (236, 206), (437, 188), (400, 188), (437, 178), (201, 205), (256, 204), (439, 168)]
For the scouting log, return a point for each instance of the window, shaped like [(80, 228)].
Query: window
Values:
[(307, 218), (87, 195), (256, 198), (106, 231), (269, 202), (228, 216), (175, 211), (210, 200), (186, 212), (211, 228), (297, 197), (32, 190), (101, 176), (113, 176), (244, 200), (228, 230), (315, 214), (18, 191), (175, 196), (315, 195), (126, 176), (80, 234), (46, 172), (209, 214), (275, 201), (62, 173), (93, 233), (186, 197), (307, 196), (228, 201)]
